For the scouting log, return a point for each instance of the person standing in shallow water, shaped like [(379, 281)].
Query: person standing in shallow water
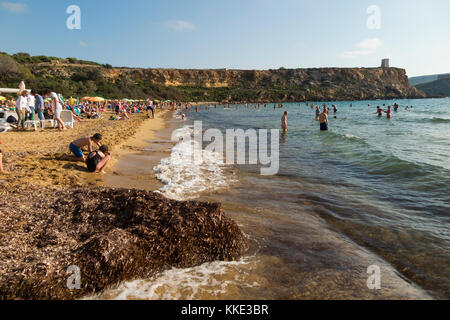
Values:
[(388, 112), (284, 125), (323, 118)]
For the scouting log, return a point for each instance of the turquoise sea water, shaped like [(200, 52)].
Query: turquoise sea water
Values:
[(383, 185), (369, 192)]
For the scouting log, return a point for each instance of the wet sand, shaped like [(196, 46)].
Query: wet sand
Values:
[(141, 153)]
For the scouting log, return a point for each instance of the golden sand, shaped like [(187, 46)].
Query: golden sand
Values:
[(34, 158)]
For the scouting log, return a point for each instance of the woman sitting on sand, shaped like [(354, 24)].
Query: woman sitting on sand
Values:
[(98, 160)]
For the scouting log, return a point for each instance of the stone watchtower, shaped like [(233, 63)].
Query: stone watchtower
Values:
[(385, 63)]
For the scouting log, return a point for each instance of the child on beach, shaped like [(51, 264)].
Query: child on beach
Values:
[(98, 160), (75, 146)]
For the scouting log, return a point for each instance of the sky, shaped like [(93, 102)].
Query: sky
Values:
[(235, 34)]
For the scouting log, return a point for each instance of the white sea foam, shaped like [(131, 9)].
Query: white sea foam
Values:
[(207, 280), (185, 179)]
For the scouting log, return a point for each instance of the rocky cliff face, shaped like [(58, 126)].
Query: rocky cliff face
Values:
[(248, 85), (109, 235), (298, 84)]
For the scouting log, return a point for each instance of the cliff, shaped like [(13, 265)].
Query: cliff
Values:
[(74, 77), (109, 235)]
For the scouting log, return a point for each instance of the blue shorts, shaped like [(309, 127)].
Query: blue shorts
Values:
[(76, 150), (323, 126)]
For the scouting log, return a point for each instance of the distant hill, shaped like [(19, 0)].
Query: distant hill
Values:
[(414, 81), (73, 77), (438, 88)]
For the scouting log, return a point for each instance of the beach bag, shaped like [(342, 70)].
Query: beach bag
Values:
[(11, 119)]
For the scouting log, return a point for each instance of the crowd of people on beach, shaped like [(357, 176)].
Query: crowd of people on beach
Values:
[(34, 107), (30, 105)]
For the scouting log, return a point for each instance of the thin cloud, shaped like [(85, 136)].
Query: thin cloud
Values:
[(354, 54), (16, 7), (83, 44), (365, 47), (180, 25), (370, 44)]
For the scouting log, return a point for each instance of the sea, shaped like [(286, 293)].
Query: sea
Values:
[(361, 211)]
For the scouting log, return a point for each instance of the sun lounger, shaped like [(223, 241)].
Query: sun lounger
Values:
[(53, 123), (4, 126), (67, 118), (33, 123)]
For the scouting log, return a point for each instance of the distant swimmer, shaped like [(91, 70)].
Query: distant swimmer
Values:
[(335, 108), (388, 112), (183, 116), (379, 112), (323, 118), (396, 107), (317, 113), (284, 124)]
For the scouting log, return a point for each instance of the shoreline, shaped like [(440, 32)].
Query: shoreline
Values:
[(54, 214), (139, 154)]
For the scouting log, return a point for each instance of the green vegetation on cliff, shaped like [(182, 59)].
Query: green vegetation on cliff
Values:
[(75, 77), (438, 88)]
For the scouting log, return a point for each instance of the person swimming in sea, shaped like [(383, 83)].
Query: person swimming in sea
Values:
[(317, 113), (388, 112), (323, 118), (284, 125), (379, 111)]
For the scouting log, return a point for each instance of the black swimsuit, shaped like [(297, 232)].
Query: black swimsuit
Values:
[(93, 162)]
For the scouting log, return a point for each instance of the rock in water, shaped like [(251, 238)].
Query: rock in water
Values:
[(109, 235)]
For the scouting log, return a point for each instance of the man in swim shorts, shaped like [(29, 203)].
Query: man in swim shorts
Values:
[(75, 146), (323, 118)]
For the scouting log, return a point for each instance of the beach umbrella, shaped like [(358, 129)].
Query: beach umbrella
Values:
[(85, 98), (96, 99), (2, 98)]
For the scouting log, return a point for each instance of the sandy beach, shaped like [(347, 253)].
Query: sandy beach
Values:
[(33, 158)]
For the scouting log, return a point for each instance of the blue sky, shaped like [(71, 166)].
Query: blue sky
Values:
[(234, 34)]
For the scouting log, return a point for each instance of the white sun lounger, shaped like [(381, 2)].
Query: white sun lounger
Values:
[(4, 126), (67, 118), (33, 123)]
